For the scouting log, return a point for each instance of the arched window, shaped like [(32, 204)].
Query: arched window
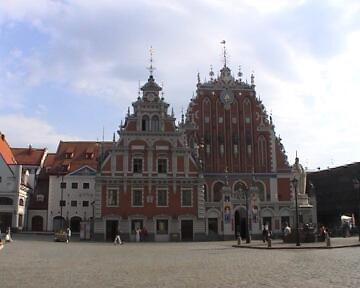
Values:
[(145, 123), (155, 125)]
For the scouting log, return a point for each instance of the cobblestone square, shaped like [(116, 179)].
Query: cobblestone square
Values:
[(37, 261)]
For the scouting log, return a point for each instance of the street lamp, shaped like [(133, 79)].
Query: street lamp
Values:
[(294, 182), (93, 220), (356, 184)]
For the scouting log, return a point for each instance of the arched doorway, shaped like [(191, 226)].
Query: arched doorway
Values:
[(58, 223), (75, 224), (240, 223), (37, 223)]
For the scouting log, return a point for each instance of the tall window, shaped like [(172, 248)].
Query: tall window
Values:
[(162, 166), (112, 198), (217, 191), (155, 123), (186, 198), (137, 198), (162, 197), (145, 123), (137, 165)]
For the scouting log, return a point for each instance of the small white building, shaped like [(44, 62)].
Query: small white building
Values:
[(14, 189), (72, 185)]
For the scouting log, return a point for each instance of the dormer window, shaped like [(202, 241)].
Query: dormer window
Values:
[(69, 155), (89, 155), (65, 167)]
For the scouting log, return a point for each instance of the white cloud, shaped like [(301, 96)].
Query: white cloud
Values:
[(20, 131)]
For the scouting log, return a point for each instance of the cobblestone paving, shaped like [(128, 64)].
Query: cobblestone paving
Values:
[(36, 261)]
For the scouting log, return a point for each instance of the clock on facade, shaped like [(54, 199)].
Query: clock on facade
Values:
[(150, 97)]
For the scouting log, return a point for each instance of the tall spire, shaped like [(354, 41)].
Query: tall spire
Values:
[(151, 68), (224, 42)]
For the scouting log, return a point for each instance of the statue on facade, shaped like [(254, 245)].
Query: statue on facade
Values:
[(298, 172)]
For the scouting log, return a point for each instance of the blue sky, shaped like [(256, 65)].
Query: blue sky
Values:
[(68, 68)]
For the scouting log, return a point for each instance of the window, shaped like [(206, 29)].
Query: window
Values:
[(69, 155), (186, 200), (85, 203), (162, 166), (73, 203), (112, 197), (86, 185), (40, 198), (21, 202), (6, 201), (89, 155), (0, 179), (74, 185), (63, 185), (62, 203), (137, 165), (145, 123), (162, 226), (155, 123), (20, 224), (162, 198), (137, 197)]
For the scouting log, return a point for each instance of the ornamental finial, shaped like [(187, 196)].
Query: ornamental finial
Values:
[(151, 68), (224, 48)]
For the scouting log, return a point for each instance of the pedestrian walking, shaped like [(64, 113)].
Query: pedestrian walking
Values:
[(117, 238), (8, 235), (265, 232), (68, 234)]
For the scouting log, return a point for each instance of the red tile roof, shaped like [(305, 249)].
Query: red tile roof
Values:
[(5, 151), (78, 159), (28, 156)]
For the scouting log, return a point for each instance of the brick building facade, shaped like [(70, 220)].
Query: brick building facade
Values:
[(150, 179), (234, 137)]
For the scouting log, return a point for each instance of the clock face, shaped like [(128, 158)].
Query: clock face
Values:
[(150, 96)]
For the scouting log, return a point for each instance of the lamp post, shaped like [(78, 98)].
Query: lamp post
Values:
[(356, 184), (294, 182), (93, 220)]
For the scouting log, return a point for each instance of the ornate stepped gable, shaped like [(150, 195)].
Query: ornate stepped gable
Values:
[(232, 127)]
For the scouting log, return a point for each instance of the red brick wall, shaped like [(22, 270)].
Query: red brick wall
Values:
[(284, 189)]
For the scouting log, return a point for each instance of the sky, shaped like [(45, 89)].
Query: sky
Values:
[(69, 69)]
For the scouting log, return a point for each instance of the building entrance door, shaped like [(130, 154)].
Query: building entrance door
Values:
[(213, 228), (240, 224), (111, 227), (186, 230)]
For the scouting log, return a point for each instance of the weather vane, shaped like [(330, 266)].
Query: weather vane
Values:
[(224, 42), (151, 68)]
